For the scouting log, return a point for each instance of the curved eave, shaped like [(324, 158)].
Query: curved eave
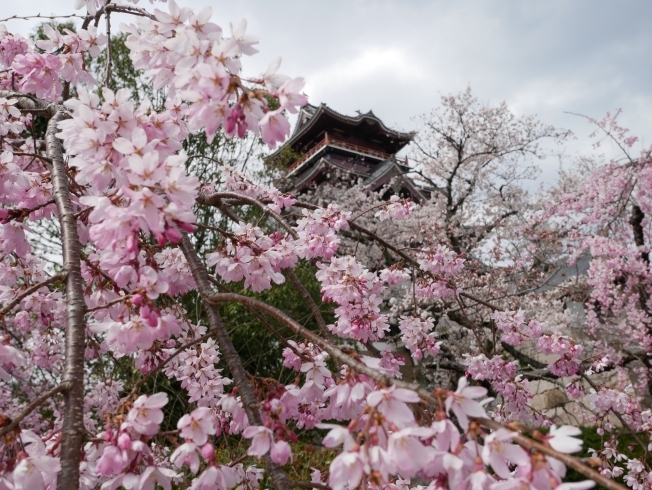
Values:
[(317, 167), (371, 181), (323, 151), (323, 109), (395, 169)]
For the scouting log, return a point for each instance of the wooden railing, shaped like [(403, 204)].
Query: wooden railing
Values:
[(329, 141)]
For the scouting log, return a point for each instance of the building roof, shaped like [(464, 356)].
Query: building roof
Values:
[(374, 180), (313, 121)]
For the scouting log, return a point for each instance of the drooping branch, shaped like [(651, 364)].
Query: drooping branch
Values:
[(29, 408), (263, 322), (30, 290), (568, 460), (337, 354), (516, 354), (109, 304), (217, 199), (279, 479), (33, 155), (305, 294), (73, 374)]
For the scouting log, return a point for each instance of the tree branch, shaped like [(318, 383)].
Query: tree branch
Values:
[(73, 375), (231, 357), (32, 104), (523, 357), (425, 395), (32, 289), (109, 304), (305, 294), (29, 408), (217, 198)]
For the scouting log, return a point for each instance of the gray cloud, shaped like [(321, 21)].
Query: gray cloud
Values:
[(397, 57)]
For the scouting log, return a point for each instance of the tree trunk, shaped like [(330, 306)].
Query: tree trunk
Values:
[(73, 375)]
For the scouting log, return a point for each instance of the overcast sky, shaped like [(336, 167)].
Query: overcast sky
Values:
[(397, 57)]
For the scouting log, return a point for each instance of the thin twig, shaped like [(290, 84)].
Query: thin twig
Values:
[(16, 212), (39, 16), (34, 155), (164, 363), (29, 408), (305, 294), (9, 306), (217, 198), (109, 304)]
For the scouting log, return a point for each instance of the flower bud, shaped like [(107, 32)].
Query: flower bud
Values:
[(208, 451), (124, 441), (173, 235), (160, 239)]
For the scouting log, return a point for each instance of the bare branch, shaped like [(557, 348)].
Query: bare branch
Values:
[(305, 294), (217, 198), (35, 155), (109, 304), (28, 103), (39, 16)]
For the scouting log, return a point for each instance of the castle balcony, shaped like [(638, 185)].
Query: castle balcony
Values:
[(329, 141)]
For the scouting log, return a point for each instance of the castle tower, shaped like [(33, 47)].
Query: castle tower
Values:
[(361, 146)]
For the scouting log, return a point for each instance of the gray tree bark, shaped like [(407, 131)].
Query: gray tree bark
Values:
[(72, 436)]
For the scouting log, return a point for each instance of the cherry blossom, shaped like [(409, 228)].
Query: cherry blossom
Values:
[(197, 426), (560, 439), (462, 402), (95, 313)]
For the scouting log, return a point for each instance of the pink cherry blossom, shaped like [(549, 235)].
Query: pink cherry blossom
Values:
[(560, 439), (146, 414), (186, 455), (281, 452), (462, 402), (261, 440), (498, 453), (197, 425), (391, 402)]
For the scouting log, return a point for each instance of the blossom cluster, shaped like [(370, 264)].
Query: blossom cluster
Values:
[(184, 51), (124, 187), (358, 292)]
